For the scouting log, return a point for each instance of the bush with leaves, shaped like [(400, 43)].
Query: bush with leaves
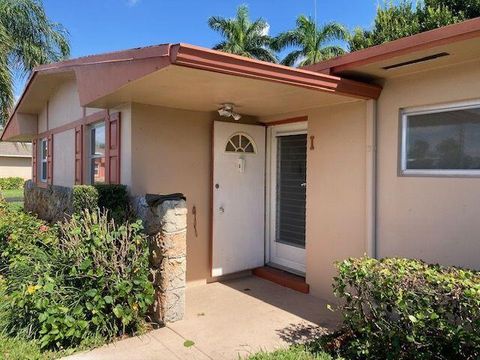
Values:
[(84, 279), (84, 197), (114, 198), (11, 183), (397, 19), (407, 309)]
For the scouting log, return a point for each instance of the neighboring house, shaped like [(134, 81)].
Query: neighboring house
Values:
[(375, 152), (15, 160)]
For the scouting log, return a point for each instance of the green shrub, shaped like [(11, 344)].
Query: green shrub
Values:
[(406, 309), (11, 183), (81, 280), (85, 197), (114, 198)]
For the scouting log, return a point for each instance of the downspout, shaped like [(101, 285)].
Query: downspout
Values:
[(371, 179)]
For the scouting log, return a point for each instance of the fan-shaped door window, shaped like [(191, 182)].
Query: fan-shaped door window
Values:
[(240, 143)]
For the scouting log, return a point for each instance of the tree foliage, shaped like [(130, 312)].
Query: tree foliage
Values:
[(243, 37), (27, 39), (311, 43), (396, 20)]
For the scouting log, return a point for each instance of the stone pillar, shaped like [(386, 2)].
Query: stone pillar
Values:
[(165, 221)]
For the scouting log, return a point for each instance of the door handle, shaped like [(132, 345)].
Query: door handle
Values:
[(303, 184), (221, 209)]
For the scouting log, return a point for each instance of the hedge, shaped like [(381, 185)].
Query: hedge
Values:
[(11, 183), (113, 198), (407, 309), (85, 197)]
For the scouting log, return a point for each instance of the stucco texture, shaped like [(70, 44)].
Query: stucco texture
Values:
[(336, 203), (15, 167), (431, 218), (172, 153)]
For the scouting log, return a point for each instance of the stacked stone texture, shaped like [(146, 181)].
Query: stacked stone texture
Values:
[(166, 225), (52, 203)]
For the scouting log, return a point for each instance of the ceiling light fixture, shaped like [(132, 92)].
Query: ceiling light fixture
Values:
[(226, 110)]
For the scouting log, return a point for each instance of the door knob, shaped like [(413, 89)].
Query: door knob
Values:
[(303, 184), (221, 209)]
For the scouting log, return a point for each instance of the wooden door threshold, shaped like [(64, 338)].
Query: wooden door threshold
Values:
[(283, 278)]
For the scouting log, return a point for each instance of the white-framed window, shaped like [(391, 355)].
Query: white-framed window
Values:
[(240, 143), (441, 140), (43, 157), (97, 153)]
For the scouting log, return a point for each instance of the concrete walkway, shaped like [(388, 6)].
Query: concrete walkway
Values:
[(228, 320)]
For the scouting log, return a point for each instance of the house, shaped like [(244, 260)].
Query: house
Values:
[(15, 160), (376, 152)]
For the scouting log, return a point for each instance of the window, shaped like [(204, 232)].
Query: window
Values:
[(240, 143), (97, 154), (43, 163), (441, 141)]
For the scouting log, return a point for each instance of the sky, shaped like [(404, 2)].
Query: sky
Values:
[(97, 26)]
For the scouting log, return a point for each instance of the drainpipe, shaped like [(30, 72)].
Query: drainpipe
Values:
[(371, 179)]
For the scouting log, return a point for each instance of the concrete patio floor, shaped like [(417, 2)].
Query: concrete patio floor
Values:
[(228, 320)]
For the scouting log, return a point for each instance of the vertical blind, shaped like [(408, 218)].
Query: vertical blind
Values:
[(291, 189)]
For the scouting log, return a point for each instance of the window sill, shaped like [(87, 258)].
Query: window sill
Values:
[(440, 173)]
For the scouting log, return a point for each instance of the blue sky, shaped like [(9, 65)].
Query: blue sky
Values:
[(98, 26)]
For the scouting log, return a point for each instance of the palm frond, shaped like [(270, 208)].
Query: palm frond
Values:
[(286, 39), (331, 52), (242, 36), (333, 31), (263, 54), (28, 39), (6, 90), (292, 58)]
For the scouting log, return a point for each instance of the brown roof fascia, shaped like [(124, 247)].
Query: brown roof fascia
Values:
[(422, 41), (211, 60), (155, 57)]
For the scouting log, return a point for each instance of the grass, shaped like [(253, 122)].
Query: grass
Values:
[(293, 353), (17, 349), (13, 197), (12, 194)]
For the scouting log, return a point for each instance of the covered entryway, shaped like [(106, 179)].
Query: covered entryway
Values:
[(228, 320), (169, 97)]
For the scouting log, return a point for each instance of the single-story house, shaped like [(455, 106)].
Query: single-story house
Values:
[(15, 160), (376, 152)]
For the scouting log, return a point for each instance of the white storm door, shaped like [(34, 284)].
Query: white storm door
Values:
[(288, 182), (238, 197)]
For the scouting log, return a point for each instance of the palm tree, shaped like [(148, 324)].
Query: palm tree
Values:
[(243, 37), (27, 39), (312, 44)]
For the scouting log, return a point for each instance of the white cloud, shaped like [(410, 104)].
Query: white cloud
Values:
[(266, 30)]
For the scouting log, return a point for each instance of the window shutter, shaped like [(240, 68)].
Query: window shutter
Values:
[(50, 159), (79, 155), (112, 156), (34, 160)]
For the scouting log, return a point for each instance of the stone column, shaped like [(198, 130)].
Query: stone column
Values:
[(165, 221)]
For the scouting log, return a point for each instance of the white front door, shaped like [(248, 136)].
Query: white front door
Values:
[(287, 196), (238, 197)]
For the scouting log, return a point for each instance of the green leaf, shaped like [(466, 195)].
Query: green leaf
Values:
[(188, 343), (118, 311), (412, 318)]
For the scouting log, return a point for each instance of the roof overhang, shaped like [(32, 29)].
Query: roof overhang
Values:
[(417, 53), (99, 76)]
